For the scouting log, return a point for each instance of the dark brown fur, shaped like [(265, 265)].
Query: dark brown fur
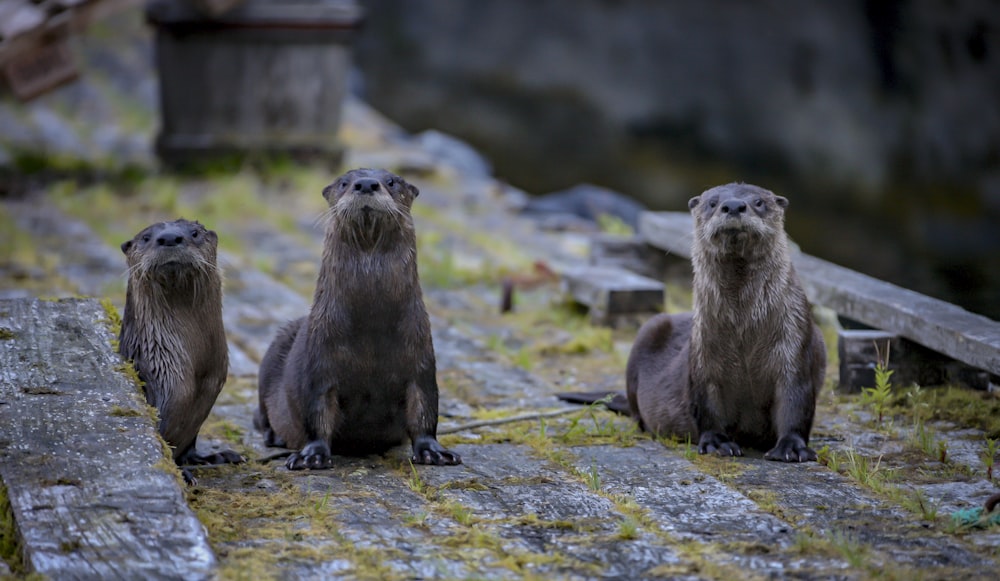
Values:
[(172, 330), (357, 375), (746, 366)]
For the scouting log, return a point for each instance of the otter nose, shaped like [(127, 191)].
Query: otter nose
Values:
[(734, 207), (170, 237), (366, 186)]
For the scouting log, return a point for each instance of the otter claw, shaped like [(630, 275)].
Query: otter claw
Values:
[(315, 456), (719, 444), (427, 450), (791, 448)]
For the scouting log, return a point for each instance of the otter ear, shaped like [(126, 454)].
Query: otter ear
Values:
[(328, 192), (126, 245), (782, 201), (693, 202), (413, 190)]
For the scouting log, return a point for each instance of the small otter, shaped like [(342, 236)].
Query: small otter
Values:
[(357, 375), (172, 330), (747, 365)]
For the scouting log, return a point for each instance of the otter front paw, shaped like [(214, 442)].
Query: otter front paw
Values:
[(791, 448), (315, 456), (719, 444), (427, 450)]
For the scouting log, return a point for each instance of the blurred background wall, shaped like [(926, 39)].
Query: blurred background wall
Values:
[(880, 119)]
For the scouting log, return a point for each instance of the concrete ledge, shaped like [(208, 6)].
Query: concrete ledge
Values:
[(79, 454)]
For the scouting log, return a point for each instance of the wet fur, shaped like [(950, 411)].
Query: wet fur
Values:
[(746, 366), (357, 375), (172, 330)]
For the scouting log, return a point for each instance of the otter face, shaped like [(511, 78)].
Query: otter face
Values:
[(370, 191), (737, 212), (168, 250)]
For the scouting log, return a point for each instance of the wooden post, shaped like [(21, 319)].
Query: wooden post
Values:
[(267, 77)]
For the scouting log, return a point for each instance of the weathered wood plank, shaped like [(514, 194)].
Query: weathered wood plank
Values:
[(611, 291), (79, 454), (943, 327)]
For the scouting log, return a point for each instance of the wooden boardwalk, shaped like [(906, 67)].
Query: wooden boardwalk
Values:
[(580, 496)]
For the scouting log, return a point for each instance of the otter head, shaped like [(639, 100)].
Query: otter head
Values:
[(172, 253), (734, 218), (366, 204)]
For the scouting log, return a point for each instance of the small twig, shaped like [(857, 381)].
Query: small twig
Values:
[(463, 427), (274, 456), (509, 420)]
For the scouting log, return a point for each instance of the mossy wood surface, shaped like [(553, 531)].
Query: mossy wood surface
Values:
[(91, 492)]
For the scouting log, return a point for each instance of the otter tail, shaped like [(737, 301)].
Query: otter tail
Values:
[(613, 400)]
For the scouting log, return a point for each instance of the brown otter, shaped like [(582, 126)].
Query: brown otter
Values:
[(172, 330), (746, 366), (357, 375)]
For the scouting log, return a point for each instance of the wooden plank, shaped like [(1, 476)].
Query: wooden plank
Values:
[(73, 17), (628, 252), (79, 454), (36, 72), (935, 324), (611, 292), (670, 231)]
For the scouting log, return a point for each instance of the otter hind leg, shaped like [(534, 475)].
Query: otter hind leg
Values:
[(191, 457), (272, 369), (263, 425)]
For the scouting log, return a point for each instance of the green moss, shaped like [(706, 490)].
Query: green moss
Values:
[(725, 470), (113, 320), (122, 412), (584, 340), (222, 429), (6, 334), (610, 224), (10, 538)]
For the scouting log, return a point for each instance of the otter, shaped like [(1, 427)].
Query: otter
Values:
[(172, 331), (356, 376), (744, 368)]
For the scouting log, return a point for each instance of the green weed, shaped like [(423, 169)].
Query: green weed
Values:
[(917, 502), (849, 548), (591, 477), (878, 398), (988, 456), (628, 529)]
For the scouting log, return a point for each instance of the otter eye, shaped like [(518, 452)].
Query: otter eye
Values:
[(389, 182), (759, 202), (194, 234), (713, 204), (145, 238)]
